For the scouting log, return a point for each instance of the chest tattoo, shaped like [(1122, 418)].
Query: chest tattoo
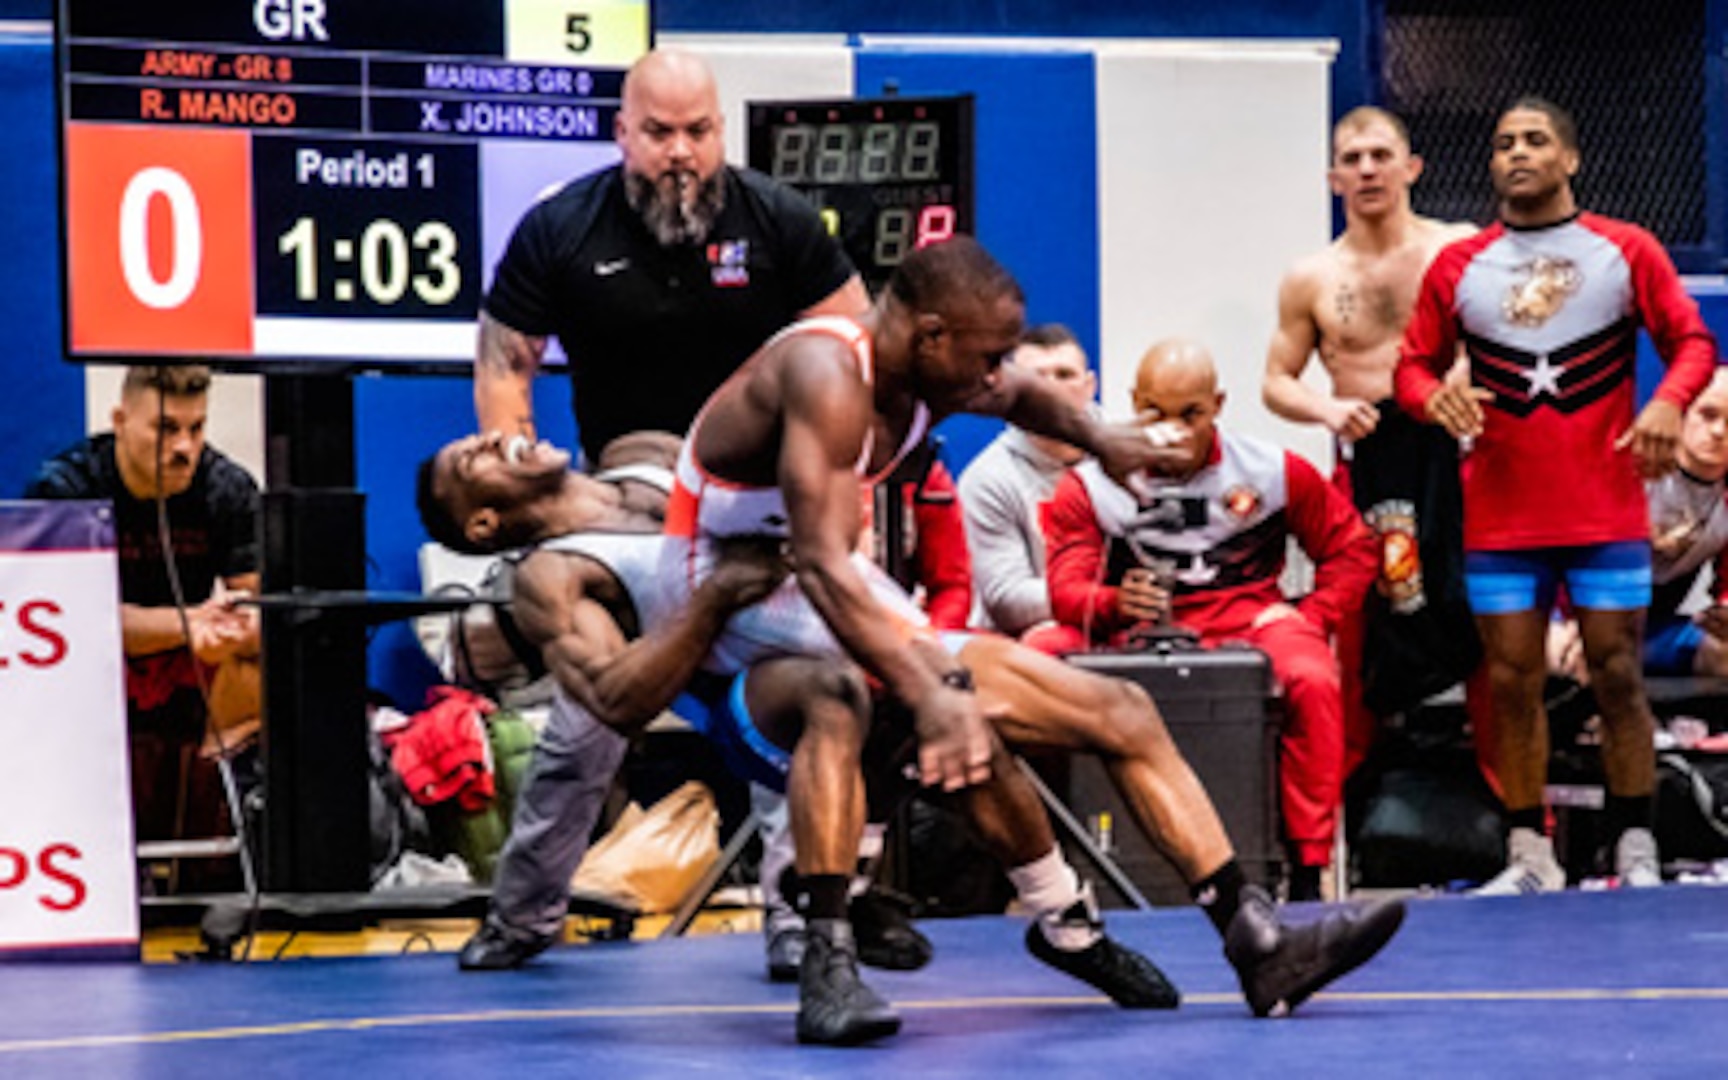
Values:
[(1344, 303)]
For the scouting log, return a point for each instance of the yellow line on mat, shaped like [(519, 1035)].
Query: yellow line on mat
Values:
[(495, 1016)]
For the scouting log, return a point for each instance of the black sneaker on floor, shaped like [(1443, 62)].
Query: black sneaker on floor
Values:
[(1126, 977), (882, 926), (835, 1008), (1280, 966), (497, 948)]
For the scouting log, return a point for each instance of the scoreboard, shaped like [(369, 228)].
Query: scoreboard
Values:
[(888, 175), (268, 184)]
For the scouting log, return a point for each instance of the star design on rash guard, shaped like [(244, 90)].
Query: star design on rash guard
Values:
[(1544, 378)]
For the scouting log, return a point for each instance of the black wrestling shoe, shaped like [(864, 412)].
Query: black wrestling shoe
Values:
[(1126, 977), (496, 947), (834, 1006), (785, 954), (882, 925), (1280, 966)]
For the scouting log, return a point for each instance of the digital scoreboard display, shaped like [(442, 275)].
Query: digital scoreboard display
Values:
[(267, 184), (889, 175)]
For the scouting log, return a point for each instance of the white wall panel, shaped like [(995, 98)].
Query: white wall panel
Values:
[(1212, 181), (765, 67)]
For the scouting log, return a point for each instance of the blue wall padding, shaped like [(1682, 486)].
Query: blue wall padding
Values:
[(42, 409)]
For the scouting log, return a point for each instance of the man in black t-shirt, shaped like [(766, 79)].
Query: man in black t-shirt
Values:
[(157, 444), (659, 275)]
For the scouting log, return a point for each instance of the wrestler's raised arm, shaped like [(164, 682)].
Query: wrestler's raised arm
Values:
[(1036, 405), (827, 416)]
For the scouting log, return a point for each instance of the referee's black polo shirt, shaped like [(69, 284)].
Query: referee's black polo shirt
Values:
[(652, 331)]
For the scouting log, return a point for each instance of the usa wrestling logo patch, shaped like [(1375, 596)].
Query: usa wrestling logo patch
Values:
[(729, 263)]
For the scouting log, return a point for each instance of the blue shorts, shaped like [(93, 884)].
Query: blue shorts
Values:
[(1672, 647), (723, 716), (1598, 577), (724, 719)]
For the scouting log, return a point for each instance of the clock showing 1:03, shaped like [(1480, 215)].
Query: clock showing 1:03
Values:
[(888, 175), (364, 230)]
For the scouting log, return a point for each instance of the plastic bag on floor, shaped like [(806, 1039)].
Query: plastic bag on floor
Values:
[(414, 869), (650, 859)]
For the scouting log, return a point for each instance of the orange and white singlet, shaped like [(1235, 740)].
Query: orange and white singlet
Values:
[(704, 507)]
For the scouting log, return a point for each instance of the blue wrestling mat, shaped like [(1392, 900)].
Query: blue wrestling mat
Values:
[(1572, 985)]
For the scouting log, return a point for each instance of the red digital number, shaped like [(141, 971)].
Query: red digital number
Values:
[(935, 224)]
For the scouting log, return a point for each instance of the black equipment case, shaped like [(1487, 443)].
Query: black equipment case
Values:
[(1221, 707)]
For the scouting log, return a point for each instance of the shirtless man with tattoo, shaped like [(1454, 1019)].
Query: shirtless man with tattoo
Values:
[(1348, 304)]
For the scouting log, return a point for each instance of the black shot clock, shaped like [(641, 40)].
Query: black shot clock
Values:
[(889, 175)]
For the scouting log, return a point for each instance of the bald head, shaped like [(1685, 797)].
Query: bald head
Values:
[(672, 138), (1177, 386), (666, 74), (1176, 361)]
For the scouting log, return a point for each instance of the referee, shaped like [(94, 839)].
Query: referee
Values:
[(659, 275)]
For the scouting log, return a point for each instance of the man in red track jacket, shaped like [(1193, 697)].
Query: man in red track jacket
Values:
[(1207, 544)]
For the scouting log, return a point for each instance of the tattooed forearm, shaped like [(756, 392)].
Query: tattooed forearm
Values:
[(505, 350)]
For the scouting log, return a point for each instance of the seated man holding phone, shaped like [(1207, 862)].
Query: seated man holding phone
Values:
[(1202, 547)]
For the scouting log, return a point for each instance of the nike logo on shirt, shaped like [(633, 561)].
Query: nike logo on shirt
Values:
[(610, 267)]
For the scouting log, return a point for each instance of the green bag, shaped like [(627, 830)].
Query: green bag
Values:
[(478, 836)]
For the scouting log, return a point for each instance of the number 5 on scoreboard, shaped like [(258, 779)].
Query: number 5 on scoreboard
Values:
[(605, 33), (159, 225)]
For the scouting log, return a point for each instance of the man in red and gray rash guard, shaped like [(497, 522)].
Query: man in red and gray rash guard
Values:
[(1222, 523), (1547, 303)]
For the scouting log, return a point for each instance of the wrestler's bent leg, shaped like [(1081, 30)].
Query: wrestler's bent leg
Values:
[(1066, 932), (822, 709), (1037, 701)]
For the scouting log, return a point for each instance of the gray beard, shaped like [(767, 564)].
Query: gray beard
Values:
[(678, 209)]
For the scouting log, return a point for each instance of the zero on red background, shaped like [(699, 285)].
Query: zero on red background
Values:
[(159, 227)]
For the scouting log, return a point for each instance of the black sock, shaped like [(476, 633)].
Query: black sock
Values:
[(1221, 894), (820, 896), (1629, 812), (1532, 818), (1305, 882)]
